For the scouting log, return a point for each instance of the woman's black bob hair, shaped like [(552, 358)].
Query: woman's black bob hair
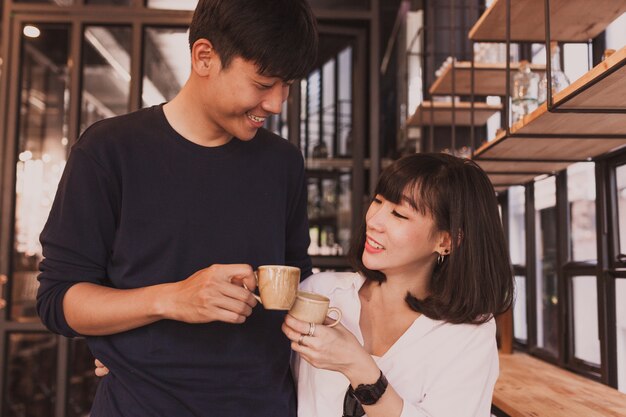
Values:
[(475, 282)]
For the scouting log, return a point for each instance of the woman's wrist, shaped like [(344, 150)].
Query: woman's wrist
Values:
[(363, 371)]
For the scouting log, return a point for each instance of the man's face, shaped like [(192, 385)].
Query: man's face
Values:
[(240, 99)]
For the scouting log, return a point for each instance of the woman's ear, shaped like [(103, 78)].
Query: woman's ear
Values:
[(444, 243), (203, 57)]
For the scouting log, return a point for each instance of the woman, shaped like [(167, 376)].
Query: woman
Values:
[(418, 332)]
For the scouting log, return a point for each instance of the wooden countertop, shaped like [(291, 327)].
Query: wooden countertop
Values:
[(529, 387)]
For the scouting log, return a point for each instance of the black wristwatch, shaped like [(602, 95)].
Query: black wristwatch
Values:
[(369, 394)]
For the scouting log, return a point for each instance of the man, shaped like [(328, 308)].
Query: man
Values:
[(162, 214)]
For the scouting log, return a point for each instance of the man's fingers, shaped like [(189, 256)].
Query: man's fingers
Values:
[(235, 306), (235, 272), (239, 293)]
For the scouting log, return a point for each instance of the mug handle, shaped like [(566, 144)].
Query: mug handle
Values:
[(338, 319), (256, 277)]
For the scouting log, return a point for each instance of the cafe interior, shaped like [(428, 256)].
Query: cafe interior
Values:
[(534, 91)]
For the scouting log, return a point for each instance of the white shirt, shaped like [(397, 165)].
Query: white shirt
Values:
[(439, 369)]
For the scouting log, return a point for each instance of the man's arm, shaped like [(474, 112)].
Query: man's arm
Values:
[(212, 294)]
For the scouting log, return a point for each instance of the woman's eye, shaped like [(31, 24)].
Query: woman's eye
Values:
[(398, 215), (264, 86), (377, 200)]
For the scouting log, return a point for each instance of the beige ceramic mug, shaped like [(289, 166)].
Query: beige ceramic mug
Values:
[(313, 308), (278, 286)]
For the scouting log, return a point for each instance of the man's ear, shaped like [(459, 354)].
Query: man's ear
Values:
[(203, 57)]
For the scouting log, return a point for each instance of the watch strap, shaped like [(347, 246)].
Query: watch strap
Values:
[(369, 394)]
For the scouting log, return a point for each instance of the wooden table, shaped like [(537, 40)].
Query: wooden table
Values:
[(529, 387)]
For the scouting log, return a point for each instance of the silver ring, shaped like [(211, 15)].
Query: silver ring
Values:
[(311, 329), (302, 336)]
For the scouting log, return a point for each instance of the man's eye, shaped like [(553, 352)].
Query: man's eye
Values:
[(400, 216), (377, 200), (264, 86)]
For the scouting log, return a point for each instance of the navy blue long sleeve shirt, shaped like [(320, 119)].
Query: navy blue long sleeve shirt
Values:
[(140, 205)]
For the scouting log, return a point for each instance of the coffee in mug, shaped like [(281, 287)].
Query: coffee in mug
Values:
[(278, 286), (313, 308)]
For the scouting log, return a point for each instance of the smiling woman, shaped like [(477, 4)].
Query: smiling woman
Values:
[(417, 335)]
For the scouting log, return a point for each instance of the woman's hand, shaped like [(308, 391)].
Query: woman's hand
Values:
[(331, 348), (100, 370)]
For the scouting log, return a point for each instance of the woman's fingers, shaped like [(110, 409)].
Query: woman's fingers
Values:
[(100, 370)]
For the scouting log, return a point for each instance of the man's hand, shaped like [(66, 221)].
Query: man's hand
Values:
[(216, 293)]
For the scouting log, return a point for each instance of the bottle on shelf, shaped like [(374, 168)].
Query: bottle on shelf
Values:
[(559, 79), (320, 150), (525, 91)]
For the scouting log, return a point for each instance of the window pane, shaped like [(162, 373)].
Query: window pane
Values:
[(31, 376), (520, 326), (620, 178), (340, 4), (616, 33), (42, 152), (57, 2), (167, 62), (109, 2), (620, 307), (329, 106), (517, 227), (173, 4), (344, 101), (83, 381), (106, 73), (545, 231), (585, 310), (581, 194)]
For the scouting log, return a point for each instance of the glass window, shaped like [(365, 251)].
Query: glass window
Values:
[(57, 2), (344, 101), (585, 319), (106, 73), (329, 106), (581, 194), (109, 2), (517, 226), (42, 152), (616, 33), (166, 63), (31, 376), (173, 4), (575, 60), (620, 307), (520, 326), (340, 4), (313, 106), (620, 180), (82, 381), (547, 295)]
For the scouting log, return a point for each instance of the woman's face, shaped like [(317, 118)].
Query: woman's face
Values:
[(399, 239)]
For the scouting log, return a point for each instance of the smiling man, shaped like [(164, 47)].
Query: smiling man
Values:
[(162, 214)]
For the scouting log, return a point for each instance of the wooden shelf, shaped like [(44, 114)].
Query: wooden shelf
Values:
[(570, 20), (442, 112), (554, 140), (489, 78), (602, 87)]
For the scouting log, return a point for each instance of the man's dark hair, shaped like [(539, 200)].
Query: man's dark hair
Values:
[(279, 36), (475, 282)]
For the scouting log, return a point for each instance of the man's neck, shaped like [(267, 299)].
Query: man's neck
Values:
[(187, 116)]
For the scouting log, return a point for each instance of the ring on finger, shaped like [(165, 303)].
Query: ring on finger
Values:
[(311, 329), (302, 336)]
